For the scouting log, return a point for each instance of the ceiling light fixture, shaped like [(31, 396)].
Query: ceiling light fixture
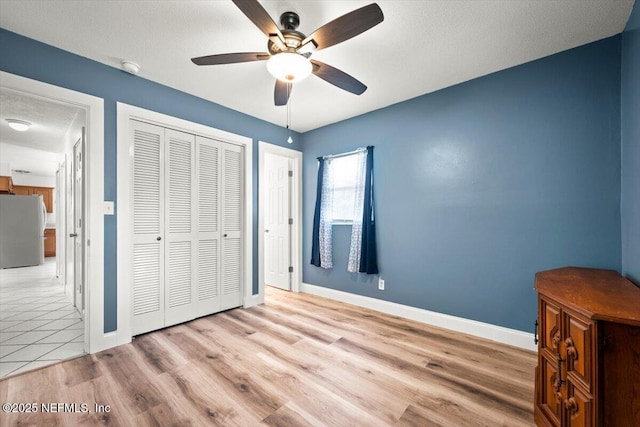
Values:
[(289, 67), (19, 125)]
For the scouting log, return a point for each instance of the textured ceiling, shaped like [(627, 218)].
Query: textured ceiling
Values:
[(50, 122), (421, 46)]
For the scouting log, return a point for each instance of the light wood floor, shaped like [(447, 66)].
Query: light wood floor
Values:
[(298, 360)]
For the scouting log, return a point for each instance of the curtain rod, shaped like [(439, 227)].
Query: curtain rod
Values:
[(348, 153)]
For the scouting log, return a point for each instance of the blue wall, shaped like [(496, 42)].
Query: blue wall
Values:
[(38, 61), (630, 124), (480, 185)]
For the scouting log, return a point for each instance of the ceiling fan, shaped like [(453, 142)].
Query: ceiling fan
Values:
[(289, 50)]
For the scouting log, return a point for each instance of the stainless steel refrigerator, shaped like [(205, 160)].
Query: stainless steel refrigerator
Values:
[(22, 222)]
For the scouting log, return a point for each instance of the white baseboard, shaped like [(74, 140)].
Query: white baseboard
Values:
[(472, 327), (107, 340), (253, 300)]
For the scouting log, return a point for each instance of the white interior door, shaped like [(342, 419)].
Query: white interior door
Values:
[(69, 228), (232, 215), (208, 161), (78, 223), (277, 240), (179, 232), (58, 204), (148, 227)]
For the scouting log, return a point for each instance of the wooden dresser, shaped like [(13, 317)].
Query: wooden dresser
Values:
[(588, 370)]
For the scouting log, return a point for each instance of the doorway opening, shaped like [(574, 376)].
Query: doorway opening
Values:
[(42, 319), (279, 218), (87, 111)]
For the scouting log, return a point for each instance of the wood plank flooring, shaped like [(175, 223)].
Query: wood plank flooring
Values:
[(298, 360)]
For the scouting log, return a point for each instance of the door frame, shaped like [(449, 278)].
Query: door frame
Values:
[(95, 338), (126, 113), (296, 210)]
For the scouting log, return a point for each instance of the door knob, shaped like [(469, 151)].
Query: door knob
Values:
[(266, 231), (224, 235), (73, 235), (158, 238)]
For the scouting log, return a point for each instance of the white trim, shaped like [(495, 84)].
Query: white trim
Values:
[(250, 301), (95, 338), (125, 113), (472, 327), (296, 202)]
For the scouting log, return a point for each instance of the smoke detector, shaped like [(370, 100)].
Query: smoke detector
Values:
[(130, 67)]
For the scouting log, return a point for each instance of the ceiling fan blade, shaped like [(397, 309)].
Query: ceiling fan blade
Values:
[(346, 26), (338, 78), (256, 13), (282, 92), (230, 58)]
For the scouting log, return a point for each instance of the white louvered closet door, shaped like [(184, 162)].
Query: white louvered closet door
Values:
[(148, 227), (208, 160), (231, 227), (187, 198), (179, 226)]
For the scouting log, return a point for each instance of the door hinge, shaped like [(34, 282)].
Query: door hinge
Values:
[(290, 174), (290, 221), (290, 269)]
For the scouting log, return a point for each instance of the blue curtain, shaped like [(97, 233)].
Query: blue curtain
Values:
[(315, 246), (368, 254)]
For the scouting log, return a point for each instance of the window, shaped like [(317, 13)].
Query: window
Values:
[(343, 170), (345, 196)]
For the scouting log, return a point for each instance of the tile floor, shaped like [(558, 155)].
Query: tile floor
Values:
[(38, 323)]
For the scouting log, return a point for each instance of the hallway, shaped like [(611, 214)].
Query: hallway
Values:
[(38, 323)]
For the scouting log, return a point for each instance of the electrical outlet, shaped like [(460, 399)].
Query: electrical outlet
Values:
[(381, 284)]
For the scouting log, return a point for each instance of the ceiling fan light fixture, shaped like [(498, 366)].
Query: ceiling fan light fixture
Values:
[(289, 67), (19, 125)]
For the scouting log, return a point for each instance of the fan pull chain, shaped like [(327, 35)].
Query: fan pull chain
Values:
[(290, 139)]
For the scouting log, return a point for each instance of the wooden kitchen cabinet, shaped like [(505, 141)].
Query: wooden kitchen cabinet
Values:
[(20, 190), (47, 196), (588, 370), (6, 185), (45, 192), (49, 242)]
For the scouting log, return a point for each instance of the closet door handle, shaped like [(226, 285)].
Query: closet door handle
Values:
[(73, 235), (224, 235), (158, 238)]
